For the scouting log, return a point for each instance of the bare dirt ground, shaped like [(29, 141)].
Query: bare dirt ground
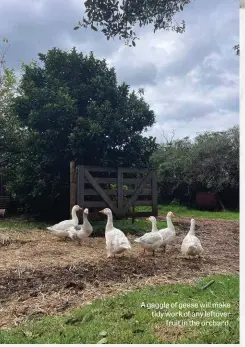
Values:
[(41, 275)]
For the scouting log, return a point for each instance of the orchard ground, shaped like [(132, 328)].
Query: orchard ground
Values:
[(43, 279)]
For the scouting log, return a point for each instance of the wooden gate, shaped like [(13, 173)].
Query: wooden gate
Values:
[(121, 189)]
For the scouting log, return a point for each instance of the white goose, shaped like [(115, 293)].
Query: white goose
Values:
[(81, 232), (116, 241), (152, 240), (191, 245), (60, 229), (168, 234)]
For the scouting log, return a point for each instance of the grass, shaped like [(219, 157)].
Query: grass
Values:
[(126, 225), (183, 211), (21, 225), (129, 318), (138, 227)]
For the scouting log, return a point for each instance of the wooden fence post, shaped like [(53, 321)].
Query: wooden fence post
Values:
[(73, 185), (80, 185), (120, 191), (154, 193)]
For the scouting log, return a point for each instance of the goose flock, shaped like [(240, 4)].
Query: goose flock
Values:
[(117, 242)]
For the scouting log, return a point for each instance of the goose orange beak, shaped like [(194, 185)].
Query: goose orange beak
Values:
[(102, 211)]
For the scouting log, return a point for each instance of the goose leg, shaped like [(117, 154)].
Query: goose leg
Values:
[(164, 249), (89, 242), (153, 253)]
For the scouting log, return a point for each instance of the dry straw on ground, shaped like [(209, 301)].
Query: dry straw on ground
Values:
[(41, 275)]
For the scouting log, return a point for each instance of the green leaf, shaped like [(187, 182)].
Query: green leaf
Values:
[(94, 28), (133, 43), (85, 21), (77, 27)]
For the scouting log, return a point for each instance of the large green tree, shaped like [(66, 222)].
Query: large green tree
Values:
[(74, 109), (210, 162), (119, 18)]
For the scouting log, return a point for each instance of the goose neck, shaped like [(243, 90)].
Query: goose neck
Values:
[(74, 217), (109, 224), (192, 230), (169, 223), (154, 225), (85, 219)]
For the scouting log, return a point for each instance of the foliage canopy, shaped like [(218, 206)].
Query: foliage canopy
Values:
[(74, 109), (210, 163), (119, 18)]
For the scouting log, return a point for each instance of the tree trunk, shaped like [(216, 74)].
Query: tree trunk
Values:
[(221, 203)]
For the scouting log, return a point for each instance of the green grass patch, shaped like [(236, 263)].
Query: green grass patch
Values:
[(135, 317), (139, 227), (21, 225), (183, 211)]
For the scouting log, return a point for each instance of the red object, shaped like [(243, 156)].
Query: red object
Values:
[(206, 200)]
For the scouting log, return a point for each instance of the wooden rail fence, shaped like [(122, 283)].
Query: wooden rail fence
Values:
[(121, 189)]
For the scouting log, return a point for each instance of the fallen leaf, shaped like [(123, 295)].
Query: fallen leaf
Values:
[(87, 317), (103, 333), (102, 341), (27, 333)]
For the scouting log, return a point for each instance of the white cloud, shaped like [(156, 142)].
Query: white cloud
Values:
[(196, 86), (211, 122), (190, 80)]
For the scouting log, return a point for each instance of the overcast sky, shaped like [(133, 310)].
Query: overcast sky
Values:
[(190, 80)]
